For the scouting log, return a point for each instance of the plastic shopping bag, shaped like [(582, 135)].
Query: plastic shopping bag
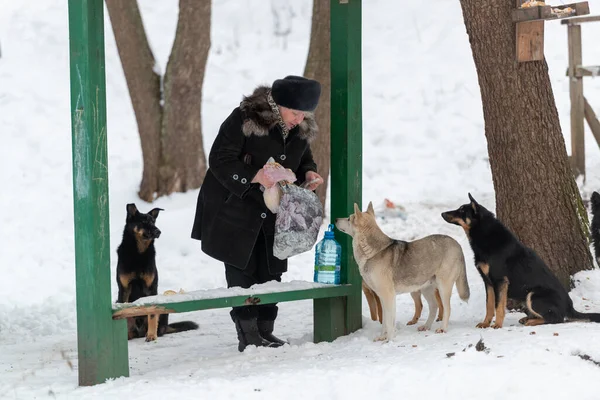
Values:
[(298, 220)]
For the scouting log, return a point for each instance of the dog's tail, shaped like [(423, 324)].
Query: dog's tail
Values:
[(575, 315), (461, 283), (181, 327)]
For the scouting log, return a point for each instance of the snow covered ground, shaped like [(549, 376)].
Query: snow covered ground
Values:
[(424, 147)]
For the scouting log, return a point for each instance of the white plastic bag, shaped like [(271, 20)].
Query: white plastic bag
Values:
[(299, 218), (275, 172)]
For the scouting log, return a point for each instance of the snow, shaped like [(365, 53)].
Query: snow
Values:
[(424, 149)]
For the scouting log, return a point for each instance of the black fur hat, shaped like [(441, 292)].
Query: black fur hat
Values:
[(297, 93)]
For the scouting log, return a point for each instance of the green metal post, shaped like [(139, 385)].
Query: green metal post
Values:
[(101, 342), (346, 161)]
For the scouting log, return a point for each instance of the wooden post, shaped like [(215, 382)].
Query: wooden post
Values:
[(592, 120), (346, 162), (577, 103), (329, 318), (101, 342)]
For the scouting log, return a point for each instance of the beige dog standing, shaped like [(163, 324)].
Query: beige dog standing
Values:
[(390, 266)]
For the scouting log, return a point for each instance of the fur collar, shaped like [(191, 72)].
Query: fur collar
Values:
[(259, 118)]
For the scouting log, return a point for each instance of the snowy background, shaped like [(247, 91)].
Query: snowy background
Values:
[(424, 147)]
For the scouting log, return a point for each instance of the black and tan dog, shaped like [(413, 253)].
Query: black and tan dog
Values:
[(137, 275), (512, 270)]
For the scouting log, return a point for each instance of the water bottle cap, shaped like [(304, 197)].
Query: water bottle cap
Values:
[(329, 232)]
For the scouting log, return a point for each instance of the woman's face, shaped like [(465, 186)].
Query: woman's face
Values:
[(290, 117)]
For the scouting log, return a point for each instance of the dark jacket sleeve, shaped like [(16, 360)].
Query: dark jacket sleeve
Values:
[(307, 163), (225, 159)]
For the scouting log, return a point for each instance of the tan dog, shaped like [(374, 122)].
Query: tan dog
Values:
[(390, 266)]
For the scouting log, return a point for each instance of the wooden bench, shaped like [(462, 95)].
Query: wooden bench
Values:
[(233, 297), (328, 305)]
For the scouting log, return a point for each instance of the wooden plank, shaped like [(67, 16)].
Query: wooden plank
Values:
[(526, 14), (592, 120), (529, 38), (548, 12), (125, 310), (590, 70), (580, 20), (577, 103), (530, 41), (593, 70), (101, 343), (346, 143)]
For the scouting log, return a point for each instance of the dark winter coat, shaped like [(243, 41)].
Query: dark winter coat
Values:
[(231, 211)]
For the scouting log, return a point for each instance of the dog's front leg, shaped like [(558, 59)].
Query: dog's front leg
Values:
[(501, 307), (372, 301), (429, 294), (152, 332), (124, 283), (490, 301), (490, 295), (388, 303)]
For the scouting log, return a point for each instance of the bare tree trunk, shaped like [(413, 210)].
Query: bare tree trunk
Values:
[(183, 165), (171, 134), (143, 84), (318, 67), (536, 194)]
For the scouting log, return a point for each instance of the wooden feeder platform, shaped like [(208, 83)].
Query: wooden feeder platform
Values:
[(529, 21), (546, 12)]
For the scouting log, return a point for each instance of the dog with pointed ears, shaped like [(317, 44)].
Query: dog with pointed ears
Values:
[(137, 275), (390, 266), (511, 270)]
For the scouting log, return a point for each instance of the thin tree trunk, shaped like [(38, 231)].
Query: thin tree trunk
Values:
[(536, 194), (318, 67), (143, 84), (183, 163)]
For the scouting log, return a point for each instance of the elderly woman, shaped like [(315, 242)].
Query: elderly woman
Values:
[(232, 220)]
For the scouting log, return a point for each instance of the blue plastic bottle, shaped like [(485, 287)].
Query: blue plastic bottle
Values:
[(328, 256)]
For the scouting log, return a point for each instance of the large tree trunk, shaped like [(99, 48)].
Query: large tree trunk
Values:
[(143, 84), (318, 67), (536, 194), (171, 133), (183, 165)]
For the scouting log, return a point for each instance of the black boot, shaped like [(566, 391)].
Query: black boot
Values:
[(247, 331), (266, 320)]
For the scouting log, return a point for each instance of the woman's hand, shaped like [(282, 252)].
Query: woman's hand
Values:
[(263, 179), (312, 180)]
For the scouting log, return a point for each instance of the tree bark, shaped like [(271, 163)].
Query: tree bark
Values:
[(536, 195), (183, 165), (171, 132), (318, 67), (143, 83)]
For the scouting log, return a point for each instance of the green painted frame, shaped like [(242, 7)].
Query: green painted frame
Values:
[(102, 345)]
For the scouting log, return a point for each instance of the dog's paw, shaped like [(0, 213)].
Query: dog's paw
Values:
[(440, 330), (412, 322), (150, 337), (483, 325), (382, 338), (438, 319), (423, 328), (523, 321), (496, 325)]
